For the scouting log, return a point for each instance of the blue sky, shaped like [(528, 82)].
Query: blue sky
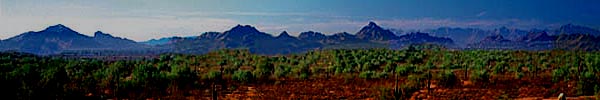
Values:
[(145, 19)]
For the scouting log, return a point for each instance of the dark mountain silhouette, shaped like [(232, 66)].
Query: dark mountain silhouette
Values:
[(284, 36), (343, 37), (112, 42), (58, 38), (245, 36), (49, 41), (312, 36), (375, 33)]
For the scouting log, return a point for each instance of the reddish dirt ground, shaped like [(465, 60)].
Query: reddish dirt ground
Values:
[(351, 89)]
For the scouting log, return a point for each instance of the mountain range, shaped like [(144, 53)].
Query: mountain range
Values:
[(59, 39), (541, 40)]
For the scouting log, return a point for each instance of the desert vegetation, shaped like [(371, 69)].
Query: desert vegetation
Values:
[(414, 72)]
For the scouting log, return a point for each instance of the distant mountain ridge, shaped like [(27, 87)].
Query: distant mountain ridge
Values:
[(248, 37), (59, 38)]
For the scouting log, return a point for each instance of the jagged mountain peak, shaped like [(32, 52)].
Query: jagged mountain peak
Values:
[(101, 34), (373, 32), (311, 35), (244, 29)]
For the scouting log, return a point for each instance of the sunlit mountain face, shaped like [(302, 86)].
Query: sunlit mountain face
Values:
[(299, 49)]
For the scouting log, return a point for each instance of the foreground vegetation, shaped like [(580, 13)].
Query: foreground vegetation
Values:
[(27, 76)]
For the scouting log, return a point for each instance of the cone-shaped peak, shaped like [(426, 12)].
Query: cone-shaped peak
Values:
[(373, 32), (284, 33), (372, 25), (58, 28)]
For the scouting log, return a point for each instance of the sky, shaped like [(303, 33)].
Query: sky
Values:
[(142, 20)]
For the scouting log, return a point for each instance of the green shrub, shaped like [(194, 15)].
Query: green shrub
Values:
[(213, 74), (387, 67), (242, 76), (447, 79), (480, 76), (260, 73), (519, 75), (382, 75), (500, 67), (282, 71), (263, 69), (558, 75), (303, 76), (416, 80), (405, 69), (303, 71), (367, 74), (230, 69)]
